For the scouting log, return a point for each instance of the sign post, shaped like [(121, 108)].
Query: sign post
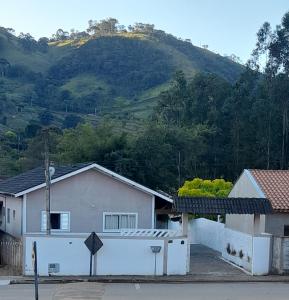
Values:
[(34, 261), (93, 243)]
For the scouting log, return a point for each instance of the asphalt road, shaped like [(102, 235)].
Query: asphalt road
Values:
[(203, 291)]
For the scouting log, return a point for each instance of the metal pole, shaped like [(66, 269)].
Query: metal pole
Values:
[(155, 264), (90, 265), (35, 270), (47, 181), (92, 251)]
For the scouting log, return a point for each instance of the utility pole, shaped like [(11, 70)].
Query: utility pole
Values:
[(47, 179)]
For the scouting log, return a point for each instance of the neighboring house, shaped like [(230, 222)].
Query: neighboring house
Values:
[(84, 198), (270, 184)]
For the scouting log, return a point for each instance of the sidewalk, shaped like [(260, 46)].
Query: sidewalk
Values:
[(147, 279)]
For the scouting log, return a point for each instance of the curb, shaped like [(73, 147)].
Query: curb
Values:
[(165, 280)]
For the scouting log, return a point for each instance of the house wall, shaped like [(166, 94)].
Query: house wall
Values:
[(86, 196), (14, 227), (245, 187), (274, 223)]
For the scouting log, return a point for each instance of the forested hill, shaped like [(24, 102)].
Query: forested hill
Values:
[(105, 70), (93, 88)]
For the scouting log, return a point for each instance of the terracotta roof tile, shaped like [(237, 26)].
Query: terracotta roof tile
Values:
[(275, 186)]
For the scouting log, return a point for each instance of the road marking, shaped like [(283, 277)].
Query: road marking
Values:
[(4, 282), (137, 286), (80, 291)]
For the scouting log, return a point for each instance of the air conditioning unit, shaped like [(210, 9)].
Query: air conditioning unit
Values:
[(53, 268)]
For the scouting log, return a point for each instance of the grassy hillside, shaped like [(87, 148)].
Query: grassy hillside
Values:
[(118, 75)]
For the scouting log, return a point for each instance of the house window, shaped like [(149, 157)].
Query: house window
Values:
[(58, 221), (114, 222), (14, 214), (8, 215), (286, 230)]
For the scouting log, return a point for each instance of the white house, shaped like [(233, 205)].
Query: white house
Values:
[(88, 198)]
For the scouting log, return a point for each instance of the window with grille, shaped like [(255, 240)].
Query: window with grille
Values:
[(58, 221), (116, 221)]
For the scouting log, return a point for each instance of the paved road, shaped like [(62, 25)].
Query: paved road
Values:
[(98, 291)]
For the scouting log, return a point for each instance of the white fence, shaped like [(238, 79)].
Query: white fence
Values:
[(247, 251), (151, 232), (122, 255)]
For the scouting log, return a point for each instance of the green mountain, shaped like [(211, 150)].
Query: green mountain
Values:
[(118, 74)]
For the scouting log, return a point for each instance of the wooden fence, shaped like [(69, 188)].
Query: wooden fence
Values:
[(11, 256)]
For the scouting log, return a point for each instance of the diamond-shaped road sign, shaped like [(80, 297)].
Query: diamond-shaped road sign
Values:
[(93, 243)]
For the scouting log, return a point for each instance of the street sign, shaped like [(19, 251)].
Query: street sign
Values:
[(93, 243)]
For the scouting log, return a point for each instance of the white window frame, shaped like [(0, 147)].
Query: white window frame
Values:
[(118, 214), (56, 212)]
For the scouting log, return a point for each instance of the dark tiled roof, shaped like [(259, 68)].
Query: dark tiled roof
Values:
[(34, 177), (222, 205), (275, 186)]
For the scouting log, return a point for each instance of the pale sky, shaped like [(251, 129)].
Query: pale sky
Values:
[(226, 26)]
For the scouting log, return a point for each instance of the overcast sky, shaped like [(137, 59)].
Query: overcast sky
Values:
[(226, 26)]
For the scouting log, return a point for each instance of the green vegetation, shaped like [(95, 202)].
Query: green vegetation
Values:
[(205, 188), (88, 72), (121, 102)]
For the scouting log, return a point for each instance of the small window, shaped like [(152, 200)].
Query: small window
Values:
[(8, 215), (58, 221), (286, 230), (55, 221), (14, 214), (115, 222)]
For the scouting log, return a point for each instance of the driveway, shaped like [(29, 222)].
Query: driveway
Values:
[(206, 261)]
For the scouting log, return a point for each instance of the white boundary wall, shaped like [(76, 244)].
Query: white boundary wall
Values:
[(118, 256), (206, 232), (249, 252), (237, 248)]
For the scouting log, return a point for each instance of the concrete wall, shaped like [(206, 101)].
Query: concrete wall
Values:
[(280, 256), (253, 253), (14, 227), (178, 256), (245, 187), (234, 242), (118, 256), (274, 223), (261, 259), (206, 232), (86, 196)]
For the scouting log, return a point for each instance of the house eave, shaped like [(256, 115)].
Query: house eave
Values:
[(104, 171)]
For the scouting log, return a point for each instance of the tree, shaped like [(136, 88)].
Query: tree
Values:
[(60, 35), (71, 121), (27, 41), (205, 188), (43, 44), (275, 46), (32, 129), (45, 117)]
